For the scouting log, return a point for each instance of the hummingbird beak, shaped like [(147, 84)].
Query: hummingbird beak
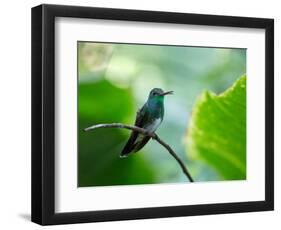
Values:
[(167, 93)]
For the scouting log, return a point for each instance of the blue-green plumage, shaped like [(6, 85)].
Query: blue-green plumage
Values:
[(148, 117)]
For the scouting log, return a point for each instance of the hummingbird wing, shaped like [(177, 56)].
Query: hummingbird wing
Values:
[(141, 143), (136, 142)]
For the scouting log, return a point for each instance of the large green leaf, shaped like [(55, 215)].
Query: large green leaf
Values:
[(217, 131)]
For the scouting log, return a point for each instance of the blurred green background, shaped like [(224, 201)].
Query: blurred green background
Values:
[(114, 82)]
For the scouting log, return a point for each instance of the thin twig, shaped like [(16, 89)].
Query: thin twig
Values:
[(144, 132)]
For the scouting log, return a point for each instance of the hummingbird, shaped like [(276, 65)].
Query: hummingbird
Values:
[(149, 117)]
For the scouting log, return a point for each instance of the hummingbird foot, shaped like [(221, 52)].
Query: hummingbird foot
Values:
[(150, 134)]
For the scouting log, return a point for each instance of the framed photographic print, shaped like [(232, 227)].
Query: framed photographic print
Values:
[(142, 114)]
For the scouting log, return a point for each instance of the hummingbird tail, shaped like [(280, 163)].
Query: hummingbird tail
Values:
[(133, 146), (141, 144), (130, 145), (128, 148)]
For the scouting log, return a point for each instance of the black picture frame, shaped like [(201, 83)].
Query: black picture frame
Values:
[(43, 114)]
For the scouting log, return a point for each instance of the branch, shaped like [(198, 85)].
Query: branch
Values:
[(144, 132)]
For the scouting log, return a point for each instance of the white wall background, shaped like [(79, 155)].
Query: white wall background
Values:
[(15, 114)]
